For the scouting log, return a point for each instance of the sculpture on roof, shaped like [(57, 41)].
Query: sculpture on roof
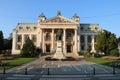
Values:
[(58, 13)]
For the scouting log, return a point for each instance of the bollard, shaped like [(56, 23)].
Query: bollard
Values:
[(113, 70), (48, 71), (25, 71), (93, 71), (4, 70)]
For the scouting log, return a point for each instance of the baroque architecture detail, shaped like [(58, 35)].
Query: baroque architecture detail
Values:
[(75, 37)]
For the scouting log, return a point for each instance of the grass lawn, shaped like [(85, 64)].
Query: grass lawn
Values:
[(16, 62), (100, 61)]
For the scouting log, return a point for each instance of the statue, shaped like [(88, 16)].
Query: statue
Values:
[(59, 35)]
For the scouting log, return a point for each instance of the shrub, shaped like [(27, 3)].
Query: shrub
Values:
[(96, 55), (114, 52), (81, 53), (69, 59), (50, 59), (28, 50)]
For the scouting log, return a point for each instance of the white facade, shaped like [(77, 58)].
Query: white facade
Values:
[(76, 36)]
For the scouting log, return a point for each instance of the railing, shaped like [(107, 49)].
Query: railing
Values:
[(47, 71)]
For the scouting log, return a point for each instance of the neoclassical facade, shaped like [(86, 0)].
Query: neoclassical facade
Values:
[(76, 36)]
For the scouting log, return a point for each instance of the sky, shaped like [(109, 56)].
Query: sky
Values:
[(106, 13)]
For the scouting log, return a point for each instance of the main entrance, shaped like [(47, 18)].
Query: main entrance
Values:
[(69, 48), (47, 47)]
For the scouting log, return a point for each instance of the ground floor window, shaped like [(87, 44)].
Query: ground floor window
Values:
[(82, 47)]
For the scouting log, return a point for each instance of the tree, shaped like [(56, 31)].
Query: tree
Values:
[(118, 40), (8, 43), (1, 41), (28, 50), (106, 41)]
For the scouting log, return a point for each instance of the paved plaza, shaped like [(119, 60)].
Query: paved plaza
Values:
[(61, 70)]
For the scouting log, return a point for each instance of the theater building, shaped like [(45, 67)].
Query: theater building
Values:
[(76, 36)]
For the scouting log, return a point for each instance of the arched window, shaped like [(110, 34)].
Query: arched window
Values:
[(69, 37), (47, 37), (89, 39), (34, 38), (26, 37), (82, 39)]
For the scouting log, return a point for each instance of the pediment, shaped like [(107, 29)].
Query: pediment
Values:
[(61, 20)]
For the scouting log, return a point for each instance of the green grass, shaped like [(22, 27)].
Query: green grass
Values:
[(100, 61), (16, 62)]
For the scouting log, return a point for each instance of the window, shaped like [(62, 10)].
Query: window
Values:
[(19, 38), (69, 37), (96, 28), (26, 36), (82, 39), (81, 28), (89, 39), (82, 47), (34, 38), (34, 28), (20, 27), (47, 38), (18, 47), (27, 28)]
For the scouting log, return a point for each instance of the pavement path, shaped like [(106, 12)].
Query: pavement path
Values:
[(61, 70)]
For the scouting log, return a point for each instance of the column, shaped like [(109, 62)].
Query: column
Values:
[(86, 43), (42, 42), (52, 47), (30, 36), (23, 39), (78, 39), (93, 44), (14, 45), (75, 40), (64, 40)]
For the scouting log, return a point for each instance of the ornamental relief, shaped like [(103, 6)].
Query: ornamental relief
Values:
[(58, 20)]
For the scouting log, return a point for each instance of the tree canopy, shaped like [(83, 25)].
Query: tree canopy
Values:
[(1, 41), (28, 50), (106, 41)]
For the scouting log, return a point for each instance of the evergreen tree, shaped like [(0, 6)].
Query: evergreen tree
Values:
[(106, 41), (119, 40), (28, 49), (8, 43), (1, 41)]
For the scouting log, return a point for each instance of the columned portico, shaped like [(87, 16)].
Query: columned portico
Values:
[(74, 35)]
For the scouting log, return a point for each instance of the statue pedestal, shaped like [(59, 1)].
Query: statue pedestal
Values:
[(59, 51)]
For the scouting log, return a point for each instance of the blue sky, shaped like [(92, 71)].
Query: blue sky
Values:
[(106, 13)]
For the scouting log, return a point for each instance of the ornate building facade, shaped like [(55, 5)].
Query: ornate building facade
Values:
[(75, 35)]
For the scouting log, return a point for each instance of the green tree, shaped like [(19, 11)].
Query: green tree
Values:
[(106, 41), (1, 41), (28, 50), (118, 40), (8, 43)]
